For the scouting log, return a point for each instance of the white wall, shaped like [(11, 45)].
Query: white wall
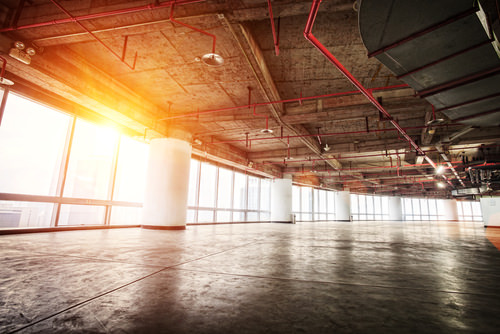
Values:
[(491, 211)]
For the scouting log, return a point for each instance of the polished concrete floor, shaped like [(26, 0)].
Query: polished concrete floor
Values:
[(329, 277)]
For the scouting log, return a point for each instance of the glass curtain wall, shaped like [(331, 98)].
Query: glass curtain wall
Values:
[(310, 204), (422, 209), (369, 207), (56, 169), (221, 195), (469, 211)]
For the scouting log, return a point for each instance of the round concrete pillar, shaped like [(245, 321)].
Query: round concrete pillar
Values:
[(167, 184), (450, 209), (395, 208), (281, 200), (343, 206)]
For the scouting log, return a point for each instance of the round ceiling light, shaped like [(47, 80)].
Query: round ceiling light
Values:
[(19, 45), (212, 59), (31, 52), (266, 131)]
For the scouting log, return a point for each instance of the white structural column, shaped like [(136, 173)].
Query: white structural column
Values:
[(450, 209), (490, 207), (343, 206), (281, 200), (395, 208), (167, 184)]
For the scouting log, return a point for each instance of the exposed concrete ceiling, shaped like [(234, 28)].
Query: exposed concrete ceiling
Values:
[(167, 86)]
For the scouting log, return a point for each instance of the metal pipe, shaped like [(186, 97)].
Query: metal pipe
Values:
[(310, 37), (103, 14), (275, 38), (3, 103), (335, 134), (261, 115), (377, 167), (4, 66), (424, 31), (299, 99), (191, 27)]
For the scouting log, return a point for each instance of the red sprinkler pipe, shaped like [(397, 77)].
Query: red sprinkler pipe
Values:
[(102, 14), (298, 99), (314, 41), (171, 18), (378, 167), (261, 115), (4, 65), (275, 38), (333, 134), (92, 34)]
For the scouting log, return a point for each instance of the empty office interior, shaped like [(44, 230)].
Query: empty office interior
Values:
[(249, 166)]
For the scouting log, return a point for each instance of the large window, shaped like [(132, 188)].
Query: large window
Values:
[(32, 139), (369, 207), (421, 209), (91, 161), (220, 195), (48, 157), (131, 170), (310, 204), (469, 211)]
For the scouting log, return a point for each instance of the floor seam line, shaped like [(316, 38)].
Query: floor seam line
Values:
[(88, 300), (334, 283)]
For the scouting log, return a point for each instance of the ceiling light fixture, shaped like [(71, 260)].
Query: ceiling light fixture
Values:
[(326, 148), (212, 59), (440, 170), (440, 184), (266, 130)]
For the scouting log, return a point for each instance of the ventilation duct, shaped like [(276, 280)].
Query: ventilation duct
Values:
[(444, 49)]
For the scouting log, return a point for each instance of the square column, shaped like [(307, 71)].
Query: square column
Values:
[(450, 209), (395, 208), (343, 206), (281, 200)]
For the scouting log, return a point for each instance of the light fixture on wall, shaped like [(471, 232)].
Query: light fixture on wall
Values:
[(18, 52)]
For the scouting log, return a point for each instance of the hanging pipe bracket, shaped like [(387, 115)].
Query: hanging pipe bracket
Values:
[(74, 19), (171, 18)]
